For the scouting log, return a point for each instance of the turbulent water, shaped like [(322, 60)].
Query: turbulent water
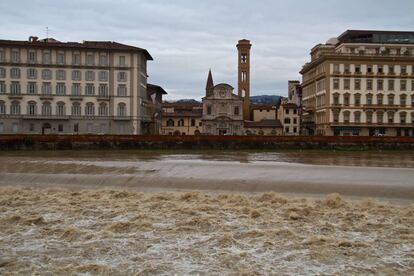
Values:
[(58, 231)]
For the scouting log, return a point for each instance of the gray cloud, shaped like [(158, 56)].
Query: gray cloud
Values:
[(186, 37)]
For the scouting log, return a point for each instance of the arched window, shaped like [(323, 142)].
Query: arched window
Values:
[(390, 116), (380, 99), (170, 122), (181, 122), (368, 115), (336, 98), (103, 109), (380, 117), (76, 109), (193, 122), (403, 99), (60, 109), (121, 110), (2, 107), (357, 116), (412, 115), (90, 109), (46, 109), (15, 108), (346, 116), (391, 99), (31, 108)]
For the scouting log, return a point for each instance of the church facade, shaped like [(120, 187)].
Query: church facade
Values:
[(222, 110)]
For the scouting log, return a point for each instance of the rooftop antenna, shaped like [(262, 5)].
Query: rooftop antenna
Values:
[(47, 32)]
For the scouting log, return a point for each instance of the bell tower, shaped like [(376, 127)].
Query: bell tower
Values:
[(243, 48)]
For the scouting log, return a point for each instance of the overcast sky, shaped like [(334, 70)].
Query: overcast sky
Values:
[(187, 37)]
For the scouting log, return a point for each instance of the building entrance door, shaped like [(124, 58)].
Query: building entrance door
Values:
[(46, 128)]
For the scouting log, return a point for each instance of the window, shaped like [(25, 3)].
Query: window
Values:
[(336, 98), (46, 74), (15, 56), (403, 117), (357, 84), (89, 89), (357, 69), (46, 109), (346, 99), (286, 129), (403, 70), (336, 68), (15, 88), (15, 73), (90, 59), (46, 57), (243, 76), (403, 100), (2, 58), (1, 127), (103, 109), (380, 117), (76, 89), (170, 123), (412, 82), (346, 68), (76, 59), (236, 110), (208, 110), (31, 57), (61, 58), (193, 123), (60, 88), (2, 107), (403, 85), (335, 83), (287, 111), (15, 108), (295, 121), (89, 109), (391, 69), (390, 116), (369, 84), (369, 69), (357, 99), (103, 60), (60, 127), (31, 73), (357, 117), (90, 75), (103, 90), (380, 85), (369, 117), (122, 110), (369, 99), (391, 99), (103, 76), (243, 58), (2, 73), (412, 100), (287, 121), (76, 109), (46, 88), (61, 75), (122, 90), (380, 98), (76, 75), (60, 109), (181, 122), (380, 71), (346, 84), (122, 76), (121, 60), (31, 108), (15, 127), (346, 116), (2, 87), (76, 127), (31, 88), (390, 84)]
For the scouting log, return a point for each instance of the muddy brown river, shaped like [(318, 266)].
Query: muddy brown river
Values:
[(206, 213)]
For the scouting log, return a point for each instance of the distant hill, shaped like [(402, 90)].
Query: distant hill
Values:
[(187, 101), (265, 99)]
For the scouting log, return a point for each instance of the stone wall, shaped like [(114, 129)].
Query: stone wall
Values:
[(65, 142)]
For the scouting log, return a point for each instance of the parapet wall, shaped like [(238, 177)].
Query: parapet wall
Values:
[(95, 142)]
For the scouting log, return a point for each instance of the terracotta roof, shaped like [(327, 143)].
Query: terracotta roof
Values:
[(265, 123), (152, 88), (192, 113), (95, 45)]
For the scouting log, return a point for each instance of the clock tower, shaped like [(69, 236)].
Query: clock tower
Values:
[(243, 89)]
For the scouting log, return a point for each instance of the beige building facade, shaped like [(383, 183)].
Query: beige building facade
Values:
[(361, 83), (288, 114), (180, 118), (47, 86)]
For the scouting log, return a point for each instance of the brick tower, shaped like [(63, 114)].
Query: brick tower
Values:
[(243, 48)]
